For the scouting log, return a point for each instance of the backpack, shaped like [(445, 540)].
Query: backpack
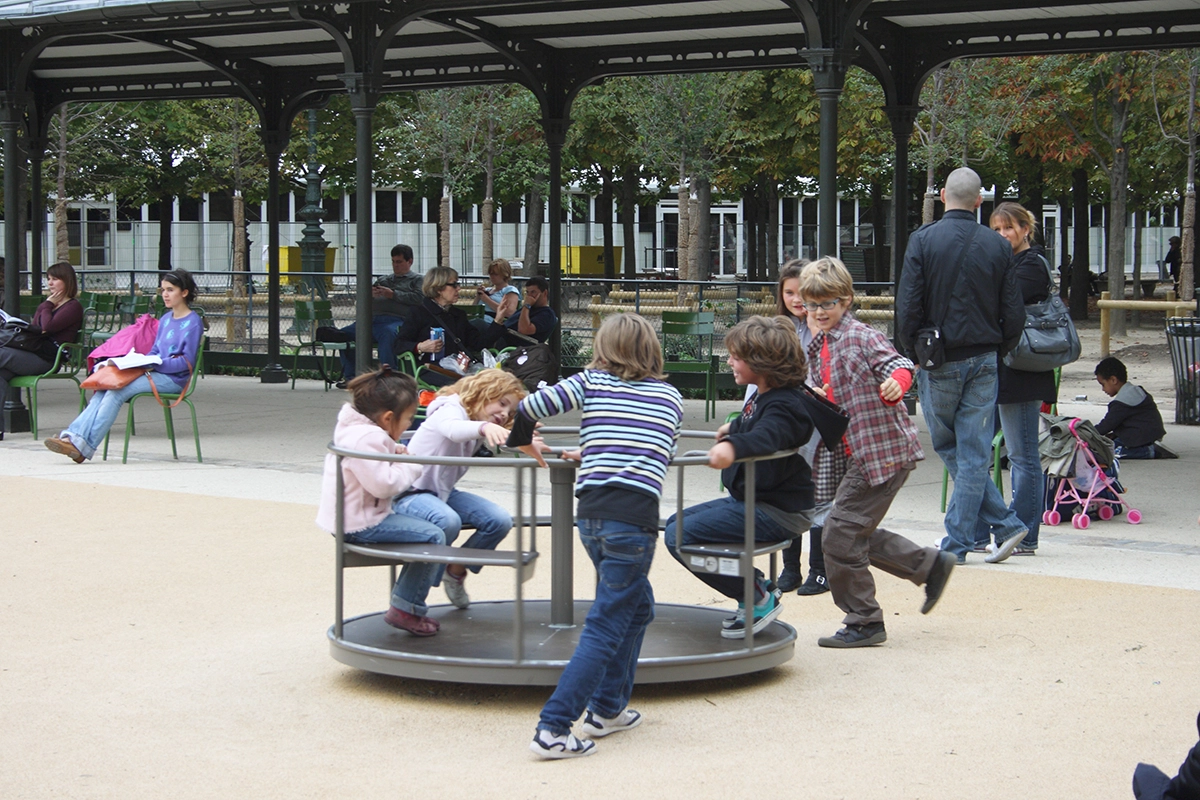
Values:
[(534, 365)]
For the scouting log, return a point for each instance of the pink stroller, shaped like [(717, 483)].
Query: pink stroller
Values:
[(1073, 455)]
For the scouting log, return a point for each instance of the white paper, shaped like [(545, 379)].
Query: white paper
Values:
[(131, 359)]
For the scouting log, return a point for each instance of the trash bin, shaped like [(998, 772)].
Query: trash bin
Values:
[(1183, 337)]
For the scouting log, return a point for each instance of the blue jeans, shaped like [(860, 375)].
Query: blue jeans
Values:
[(383, 332), (1021, 422), (600, 673), (412, 587), (958, 401), (492, 523), (722, 521), (90, 427)]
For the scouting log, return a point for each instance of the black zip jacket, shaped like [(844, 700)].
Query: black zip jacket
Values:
[(985, 315), (777, 421)]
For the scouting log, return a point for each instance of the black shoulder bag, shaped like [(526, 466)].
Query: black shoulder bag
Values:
[(929, 345)]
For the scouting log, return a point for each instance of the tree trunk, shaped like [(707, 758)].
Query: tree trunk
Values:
[(604, 216), (534, 209), (240, 262), (764, 257), (1118, 205), (628, 208), (931, 194), (165, 217), (62, 243), (1187, 246), (444, 233), (488, 211), (701, 244), (1080, 258)]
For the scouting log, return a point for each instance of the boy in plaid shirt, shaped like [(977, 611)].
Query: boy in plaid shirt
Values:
[(857, 368)]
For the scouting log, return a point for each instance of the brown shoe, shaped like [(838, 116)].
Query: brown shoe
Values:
[(66, 448)]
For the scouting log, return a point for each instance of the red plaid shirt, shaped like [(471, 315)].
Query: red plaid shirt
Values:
[(881, 436)]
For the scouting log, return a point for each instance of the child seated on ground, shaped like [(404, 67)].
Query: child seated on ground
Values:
[(475, 410), (1132, 421), (381, 407), (766, 352), (630, 424), (860, 370)]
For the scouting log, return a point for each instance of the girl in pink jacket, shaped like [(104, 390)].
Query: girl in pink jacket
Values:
[(382, 408)]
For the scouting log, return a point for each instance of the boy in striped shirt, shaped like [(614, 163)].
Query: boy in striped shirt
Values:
[(631, 421)]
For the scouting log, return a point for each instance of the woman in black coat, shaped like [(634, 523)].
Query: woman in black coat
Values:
[(440, 288), (1021, 393)]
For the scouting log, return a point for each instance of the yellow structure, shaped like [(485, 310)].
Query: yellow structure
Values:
[(289, 261), (588, 260)]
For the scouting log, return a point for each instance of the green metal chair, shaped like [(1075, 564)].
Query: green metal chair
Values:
[(310, 315), (68, 362), (183, 396), (105, 319), (29, 304), (701, 325)]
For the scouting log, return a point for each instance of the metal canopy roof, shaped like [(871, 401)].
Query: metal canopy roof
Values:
[(284, 56)]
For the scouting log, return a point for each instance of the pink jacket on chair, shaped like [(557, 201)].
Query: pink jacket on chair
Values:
[(139, 336)]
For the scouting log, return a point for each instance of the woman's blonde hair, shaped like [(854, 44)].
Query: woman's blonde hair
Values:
[(437, 279), (771, 349), (484, 387), (1016, 215), (790, 269), (502, 268), (627, 346), (826, 278)]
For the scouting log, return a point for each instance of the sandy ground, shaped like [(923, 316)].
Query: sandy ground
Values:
[(171, 644)]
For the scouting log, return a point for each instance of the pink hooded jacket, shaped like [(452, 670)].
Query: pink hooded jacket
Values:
[(370, 486)]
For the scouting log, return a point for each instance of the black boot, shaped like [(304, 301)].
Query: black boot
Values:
[(816, 583), (791, 577)]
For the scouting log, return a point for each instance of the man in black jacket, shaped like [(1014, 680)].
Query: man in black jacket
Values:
[(958, 275)]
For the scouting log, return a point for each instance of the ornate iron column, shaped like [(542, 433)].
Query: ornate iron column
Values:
[(364, 94), (273, 143), (902, 119), (10, 124), (313, 244)]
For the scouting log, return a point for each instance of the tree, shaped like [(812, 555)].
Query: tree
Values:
[(1179, 70)]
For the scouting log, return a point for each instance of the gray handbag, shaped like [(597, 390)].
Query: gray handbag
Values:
[(1049, 338)]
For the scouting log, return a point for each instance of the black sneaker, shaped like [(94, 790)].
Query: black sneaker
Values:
[(1162, 452), (856, 636), (789, 580), (816, 584), (943, 565)]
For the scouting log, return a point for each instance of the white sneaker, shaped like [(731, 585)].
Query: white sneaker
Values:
[(1005, 549), (456, 592), (596, 726), (546, 745)]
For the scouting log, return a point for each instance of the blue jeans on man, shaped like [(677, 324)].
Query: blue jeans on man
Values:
[(601, 672), (491, 522), (722, 521), (416, 577), (958, 401), (384, 328), (1021, 423)]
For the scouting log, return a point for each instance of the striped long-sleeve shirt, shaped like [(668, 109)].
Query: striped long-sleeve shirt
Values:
[(628, 434)]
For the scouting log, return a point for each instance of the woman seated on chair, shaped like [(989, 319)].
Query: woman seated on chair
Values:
[(177, 344), (440, 287), (60, 317)]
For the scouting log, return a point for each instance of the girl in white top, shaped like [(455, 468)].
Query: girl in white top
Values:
[(476, 410), (381, 409)]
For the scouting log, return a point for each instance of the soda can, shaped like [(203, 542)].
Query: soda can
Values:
[(438, 335), (464, 362)]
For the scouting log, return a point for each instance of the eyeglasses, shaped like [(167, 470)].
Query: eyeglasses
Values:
[(825, 306), (455, 284)]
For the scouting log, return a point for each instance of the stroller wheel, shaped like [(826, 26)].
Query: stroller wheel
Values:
[(1134, 516), (1081, 521), (1045, 517), (1053, 517), (1106, 513)]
